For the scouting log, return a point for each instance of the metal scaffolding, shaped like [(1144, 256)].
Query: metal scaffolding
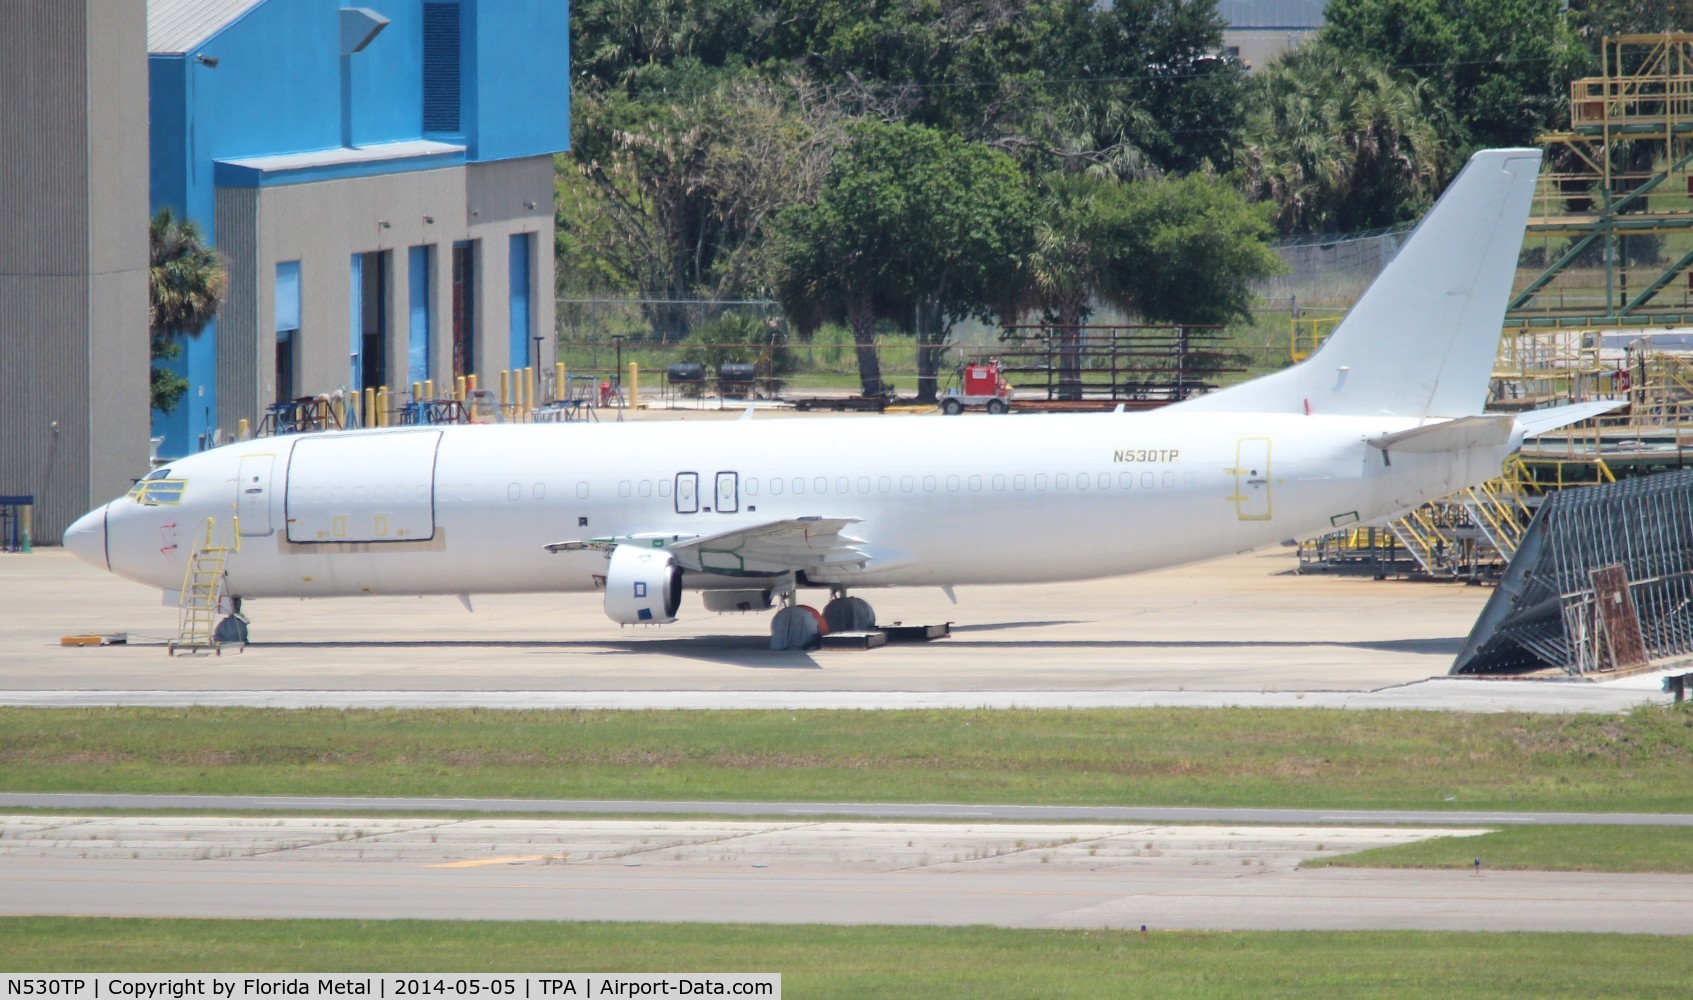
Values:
[(1611, 216), (1602, 581), (1138, 366)]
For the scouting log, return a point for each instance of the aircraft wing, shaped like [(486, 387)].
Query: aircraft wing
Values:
[(798, 543)]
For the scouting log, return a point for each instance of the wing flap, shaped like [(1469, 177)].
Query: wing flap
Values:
[(785, 546)]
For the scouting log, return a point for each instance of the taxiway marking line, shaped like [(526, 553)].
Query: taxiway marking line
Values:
[(479, 863)]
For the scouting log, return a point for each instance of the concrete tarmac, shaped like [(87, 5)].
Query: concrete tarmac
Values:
[(1214, 877), (1243, 630)]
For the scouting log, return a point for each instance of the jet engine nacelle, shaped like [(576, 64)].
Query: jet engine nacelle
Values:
[(642, 586)]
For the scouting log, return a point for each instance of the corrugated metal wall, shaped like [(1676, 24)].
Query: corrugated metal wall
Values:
[(72, 257), (242, 337)]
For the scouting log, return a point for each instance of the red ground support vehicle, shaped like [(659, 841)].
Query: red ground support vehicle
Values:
[(982, 386)]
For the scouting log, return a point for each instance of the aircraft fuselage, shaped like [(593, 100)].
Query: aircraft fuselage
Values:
[(468, 509)]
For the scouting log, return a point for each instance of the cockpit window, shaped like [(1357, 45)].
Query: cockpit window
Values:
[(141, 488), (155, 490)]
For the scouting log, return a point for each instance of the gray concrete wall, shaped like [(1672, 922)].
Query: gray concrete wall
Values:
[(322, 224), (505, 198), (73, 292)]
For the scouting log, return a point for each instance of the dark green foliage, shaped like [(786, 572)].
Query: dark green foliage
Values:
[(1338, 143), (185, 282), (908, 221), (1503, 66), (1196, 247), (742, 338)]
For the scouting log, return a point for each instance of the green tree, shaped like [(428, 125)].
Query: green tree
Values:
[(1598, 19), (1337, 143), (1074, 257), (1166, 53), (672, 195), (1197, 248), (742, 338), (186, 282), (912, 225), (1503, 67), (615, 43), (1168, 250)]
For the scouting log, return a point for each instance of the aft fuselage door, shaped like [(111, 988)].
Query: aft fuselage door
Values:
[(252, 494), (728, 493), (1252, 479)]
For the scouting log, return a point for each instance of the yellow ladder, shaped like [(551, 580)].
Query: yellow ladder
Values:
[(1497, 508), (202, 595), (1422, 535)]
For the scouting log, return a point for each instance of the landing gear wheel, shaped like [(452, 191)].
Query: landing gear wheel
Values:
[(997, 406), (232, 630), (951, 407), (849, 614), (797, 627)]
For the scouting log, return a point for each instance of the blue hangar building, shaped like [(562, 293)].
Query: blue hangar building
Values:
[(378, 177)]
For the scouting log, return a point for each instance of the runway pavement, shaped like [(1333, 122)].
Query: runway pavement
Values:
[(1236, 631), (1215, 877)]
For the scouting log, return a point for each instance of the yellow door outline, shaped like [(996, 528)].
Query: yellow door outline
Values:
[(1251, 472)]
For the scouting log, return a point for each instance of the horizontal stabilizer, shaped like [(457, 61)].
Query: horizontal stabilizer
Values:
[(1449, 435), (1553, 417)]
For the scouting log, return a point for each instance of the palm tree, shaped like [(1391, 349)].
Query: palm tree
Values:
[(1339, 143), (186, 282), (1078, 256)]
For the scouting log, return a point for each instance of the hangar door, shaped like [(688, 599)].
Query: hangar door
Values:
[(363, 487)]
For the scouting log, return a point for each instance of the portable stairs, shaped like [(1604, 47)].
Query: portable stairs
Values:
[(202, 594)]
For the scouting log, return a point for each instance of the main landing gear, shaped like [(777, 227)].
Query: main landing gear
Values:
[(233, 628), (798, 626)]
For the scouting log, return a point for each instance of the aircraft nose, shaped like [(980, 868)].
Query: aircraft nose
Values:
[(86, 538)]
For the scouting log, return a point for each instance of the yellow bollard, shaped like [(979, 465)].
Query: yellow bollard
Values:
[(634, 385), (382, 407), (460, 384), (505, 393), (365, 418), (561, 383), (241, 429), (428, 388), (523, 397), (470, 382), (340, 410), (417, 392)]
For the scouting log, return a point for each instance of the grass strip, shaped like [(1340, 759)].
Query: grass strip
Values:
[(829, 961), (1666, 849), (1636, 761)]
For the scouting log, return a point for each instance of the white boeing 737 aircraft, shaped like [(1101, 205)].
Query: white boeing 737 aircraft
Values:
[(1386, 415)]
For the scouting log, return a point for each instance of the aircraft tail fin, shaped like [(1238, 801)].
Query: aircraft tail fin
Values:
[(1421, 340)]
